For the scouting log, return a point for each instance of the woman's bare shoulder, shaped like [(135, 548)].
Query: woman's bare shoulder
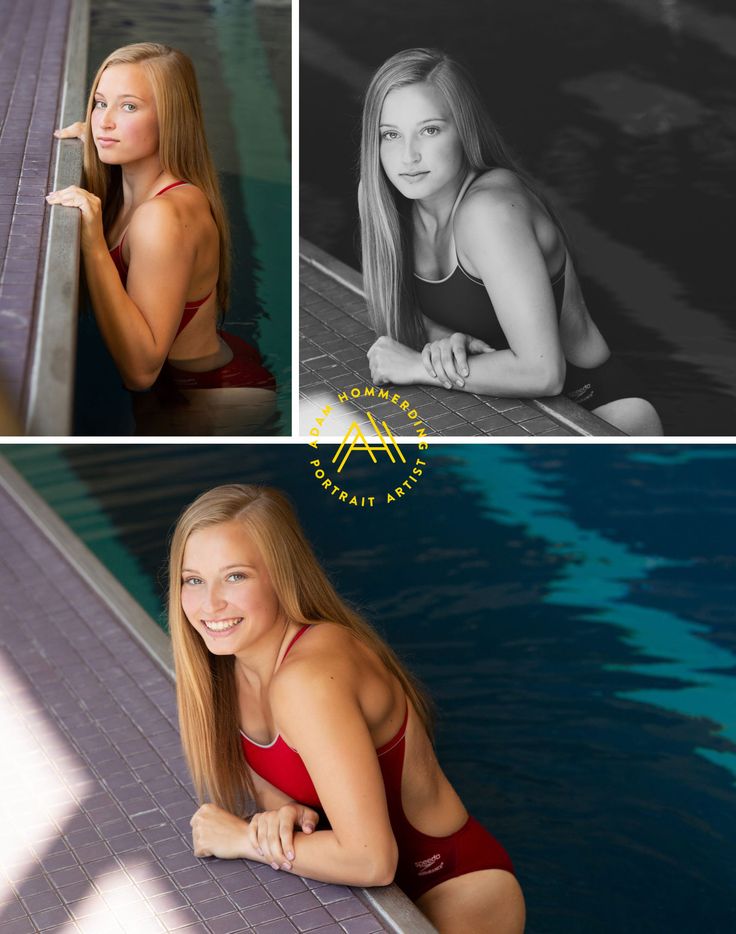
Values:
[(323, 640), (495, 204), (325, 660), (497, 188), (177, 219)]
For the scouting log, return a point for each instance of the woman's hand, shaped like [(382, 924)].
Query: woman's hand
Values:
[(447, 358), (271, 833), (76, 130), (216, 832), (91, 208), (392, 362)]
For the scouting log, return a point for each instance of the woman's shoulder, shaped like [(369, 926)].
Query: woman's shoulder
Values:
[(321, 641), (324, 660), (495, 198), (494, 188), (169, 216)]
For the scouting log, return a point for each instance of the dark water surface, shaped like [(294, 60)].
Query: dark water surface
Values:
[(625, 110), (570, 609), (242, 55)]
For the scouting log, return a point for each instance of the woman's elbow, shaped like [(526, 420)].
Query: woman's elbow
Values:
[(381, 869), (139, 379), (549, 378)]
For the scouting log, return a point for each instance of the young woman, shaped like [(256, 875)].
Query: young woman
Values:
[(467, 272), (288, 698), (156, 248)]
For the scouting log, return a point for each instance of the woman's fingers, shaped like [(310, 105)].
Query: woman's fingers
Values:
[(286, 840), (271, 833), (75, 197), (438, 362), (253, 833), (476, 345), (427, 359), (308, 819), (458, 344), (273, 849), (73, 131), (447, 360)]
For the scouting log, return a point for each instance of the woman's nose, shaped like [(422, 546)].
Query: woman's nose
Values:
[(106, 120), (411, 151), (215, 599)]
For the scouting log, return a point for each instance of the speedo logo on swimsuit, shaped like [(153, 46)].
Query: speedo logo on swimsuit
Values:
[(426, 866), (581, 395)]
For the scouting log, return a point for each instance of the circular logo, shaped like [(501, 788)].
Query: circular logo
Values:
[(369, 468)]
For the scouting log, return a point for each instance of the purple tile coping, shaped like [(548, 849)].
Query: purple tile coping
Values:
[(106, 844), (30, 79)]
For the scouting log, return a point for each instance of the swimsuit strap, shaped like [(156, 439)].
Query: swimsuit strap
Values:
[(120, 241), (172, 185), (297, 636), (398, 738), (193, 306), (460, 195), (471, 177)]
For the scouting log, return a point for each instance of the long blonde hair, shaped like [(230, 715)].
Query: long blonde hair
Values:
[(183, 149), (205, 683), (385, 220)]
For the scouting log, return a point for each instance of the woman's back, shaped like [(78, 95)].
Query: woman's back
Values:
[(181, 211)]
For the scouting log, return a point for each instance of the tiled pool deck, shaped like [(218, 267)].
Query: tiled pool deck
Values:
[(334, 336), (32, 46), (42, 52), (95, 799)]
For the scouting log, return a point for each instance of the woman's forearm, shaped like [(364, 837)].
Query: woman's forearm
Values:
[(319, 855), (123, 327), (502, 373)]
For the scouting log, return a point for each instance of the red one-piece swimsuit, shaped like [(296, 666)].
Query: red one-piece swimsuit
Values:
[(424, 860)]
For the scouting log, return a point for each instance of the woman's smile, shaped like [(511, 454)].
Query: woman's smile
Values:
[(217, 628), (226, 593)]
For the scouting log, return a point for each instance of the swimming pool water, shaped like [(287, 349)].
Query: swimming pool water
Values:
[(242, 53), (570, 610)]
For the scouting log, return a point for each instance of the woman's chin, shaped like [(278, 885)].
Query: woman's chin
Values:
[(108, 157)]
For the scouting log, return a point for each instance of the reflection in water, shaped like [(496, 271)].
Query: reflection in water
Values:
[(571, 611), (599, 576)]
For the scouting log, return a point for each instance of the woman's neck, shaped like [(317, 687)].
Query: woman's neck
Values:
[(140, 181), (260, 662), (432, 215)]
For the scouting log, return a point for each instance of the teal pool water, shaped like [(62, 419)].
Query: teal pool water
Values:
[(571, 610)]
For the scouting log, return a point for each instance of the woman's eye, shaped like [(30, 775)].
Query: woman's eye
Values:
[(192, 580), (431, 130), (100, 105), (236, 577), (389, 135), (129, 108)]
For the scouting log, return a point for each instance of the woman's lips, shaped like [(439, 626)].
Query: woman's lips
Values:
[(414, 176), (105, 141), (221, 633)]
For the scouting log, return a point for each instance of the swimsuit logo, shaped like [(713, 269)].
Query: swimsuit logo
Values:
[(360, 443), (387, 474), (426, 866)]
